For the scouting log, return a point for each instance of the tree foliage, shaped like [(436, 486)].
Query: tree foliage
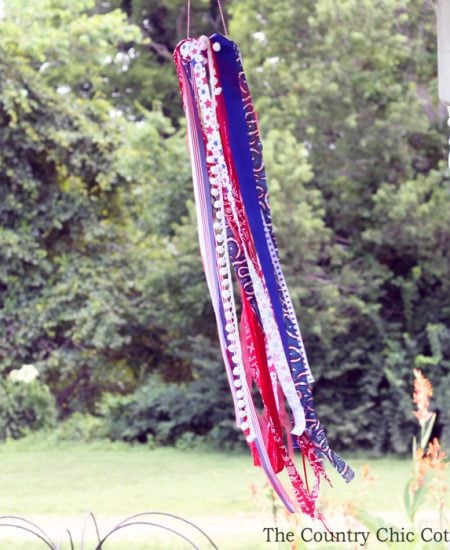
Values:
[(355, 84), (101, 283), (64, 291)]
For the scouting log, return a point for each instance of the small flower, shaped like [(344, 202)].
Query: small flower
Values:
[(367, 474), (436, 456), (367, 477), (26, 374), (254, 490), (432, 460), (423, 390)]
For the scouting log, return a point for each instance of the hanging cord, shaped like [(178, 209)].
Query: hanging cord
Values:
[(219, 4), (188, 18)]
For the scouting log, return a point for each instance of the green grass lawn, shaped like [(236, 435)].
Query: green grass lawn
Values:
[(115, 481), (120, 479)]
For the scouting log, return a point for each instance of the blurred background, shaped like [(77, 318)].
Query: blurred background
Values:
[(105, 320)]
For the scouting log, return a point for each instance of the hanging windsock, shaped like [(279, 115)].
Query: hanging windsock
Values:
[(262, 346)]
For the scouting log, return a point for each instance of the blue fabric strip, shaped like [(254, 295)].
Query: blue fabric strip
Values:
[(239, 145)]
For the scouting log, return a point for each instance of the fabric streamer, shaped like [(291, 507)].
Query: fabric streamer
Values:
[(262, 347)]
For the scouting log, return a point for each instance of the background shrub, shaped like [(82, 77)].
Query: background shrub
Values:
[(81, 427), (185, 414), (24, 407)]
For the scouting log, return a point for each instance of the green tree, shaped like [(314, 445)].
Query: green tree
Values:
[(150, 77), (64, 290), (353, 84), (101, 280)]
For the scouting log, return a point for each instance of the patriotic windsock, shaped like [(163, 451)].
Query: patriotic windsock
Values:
[(262, 347)]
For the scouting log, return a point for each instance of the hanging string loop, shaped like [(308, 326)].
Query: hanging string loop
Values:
[(188, 18), (222, 16)]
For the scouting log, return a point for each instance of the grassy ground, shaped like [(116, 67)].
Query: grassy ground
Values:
[(59, 484), (118, 479)]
